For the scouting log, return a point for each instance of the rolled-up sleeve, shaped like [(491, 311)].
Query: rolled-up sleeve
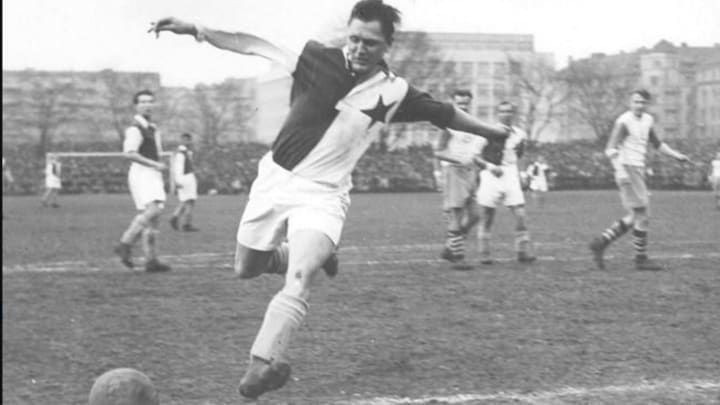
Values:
[(133, 140), (420, 106)]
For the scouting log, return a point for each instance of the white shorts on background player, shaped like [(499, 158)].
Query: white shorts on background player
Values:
[(52, 181), (504, 190), (281, 203), (186, 186), (538, 183), (146, 185)]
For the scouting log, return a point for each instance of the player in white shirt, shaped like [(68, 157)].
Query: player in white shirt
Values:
[(341, 99), (714, 178), (627, 149), (185, 184), (538, 172), (53, 183), (142, 145), (456, 151), (7, 176), (500, 184)]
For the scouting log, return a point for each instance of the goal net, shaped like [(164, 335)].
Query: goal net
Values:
[(100, 172)]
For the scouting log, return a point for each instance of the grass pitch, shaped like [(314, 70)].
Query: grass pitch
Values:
[(397, 326)]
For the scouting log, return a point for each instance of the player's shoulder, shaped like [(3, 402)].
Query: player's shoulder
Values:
[(624, 117)]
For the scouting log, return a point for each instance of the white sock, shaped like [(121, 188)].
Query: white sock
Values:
[(283, 317)]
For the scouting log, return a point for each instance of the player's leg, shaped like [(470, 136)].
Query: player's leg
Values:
[(523, 244), (189, 207), (149, 238), (46, 196), (484, 234), (640, 240), (309, 250), (488, 195), (54, 197), (453, 202), (471, 215), (140, 222), (620, 227), (176, 215)]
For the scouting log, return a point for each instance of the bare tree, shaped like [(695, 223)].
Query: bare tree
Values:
[(221, 108), (597, 90), (416, 58), (118, 91), (540, 94)]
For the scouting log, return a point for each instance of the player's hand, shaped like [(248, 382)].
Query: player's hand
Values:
[(173, 25), (682, 158), (161, 166)]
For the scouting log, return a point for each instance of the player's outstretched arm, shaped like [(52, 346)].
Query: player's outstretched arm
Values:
[(239, 42), (667, 150), (463, 121)]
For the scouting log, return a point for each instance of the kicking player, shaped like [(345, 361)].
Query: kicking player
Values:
[(53, 184), (627, 148), (500, 184), (341, 99), (460, 182), (714, 178), (143, 147), (185, 184), (538, 172)]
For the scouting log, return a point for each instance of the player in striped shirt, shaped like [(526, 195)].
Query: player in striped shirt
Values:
[(341, 98), (185, 184), (627, 148), (143, 146)]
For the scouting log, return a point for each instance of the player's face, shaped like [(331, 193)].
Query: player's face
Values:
[(462, 102), (366, 45), (506, 114), (638, 104), (145, 105)]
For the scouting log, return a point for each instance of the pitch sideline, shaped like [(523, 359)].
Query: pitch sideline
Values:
[(542, 397)]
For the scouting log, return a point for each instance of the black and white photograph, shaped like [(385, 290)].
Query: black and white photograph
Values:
[(361, 202)]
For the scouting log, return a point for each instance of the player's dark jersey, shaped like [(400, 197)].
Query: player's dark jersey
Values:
[(322, 87), (148, 147), (187, 161), (497, 149)]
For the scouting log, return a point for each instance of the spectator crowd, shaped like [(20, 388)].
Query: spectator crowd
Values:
[(231, 168)]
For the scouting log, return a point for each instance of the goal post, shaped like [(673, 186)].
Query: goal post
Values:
[(163, 155)]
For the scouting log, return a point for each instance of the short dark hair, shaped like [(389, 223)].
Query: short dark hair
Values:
[(502, 103), (376, 10), (146, 92), (462, 93), (642, 93), (186, 135)]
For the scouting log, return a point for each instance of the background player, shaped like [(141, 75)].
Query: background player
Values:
[(627, 150), (500, 184), (7, 176), (340, 101), (53, 182), (185, 184), (460, 182), (538, 173), (143, 147), (714, 179)]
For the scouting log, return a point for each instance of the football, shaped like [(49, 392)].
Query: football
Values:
[(123, 386)]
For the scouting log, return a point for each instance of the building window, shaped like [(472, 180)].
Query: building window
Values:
[(483, 68), (482, 90)]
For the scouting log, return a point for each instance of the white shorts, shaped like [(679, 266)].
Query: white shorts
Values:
[(146, 185), (281, 203), (538, 184), (186, 187), (53, 182), (504, 189)]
